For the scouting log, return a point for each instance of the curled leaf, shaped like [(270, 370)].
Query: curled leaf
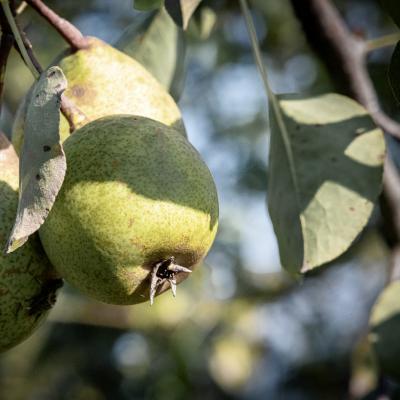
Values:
[(42, 162), (325, 173)]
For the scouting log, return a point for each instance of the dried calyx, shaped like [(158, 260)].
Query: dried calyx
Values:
[(163, 271)]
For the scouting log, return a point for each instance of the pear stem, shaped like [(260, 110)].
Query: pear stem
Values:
[(68, 31)]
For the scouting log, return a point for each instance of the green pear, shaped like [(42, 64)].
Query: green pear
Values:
[(27, 280), (136, 196), (104, 81)]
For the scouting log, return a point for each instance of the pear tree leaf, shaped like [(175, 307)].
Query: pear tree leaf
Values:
[(393, 9), (147, 5), (42, 162), (385, 330), (181, 10), (159, 45), (394, 72), (325, 173)]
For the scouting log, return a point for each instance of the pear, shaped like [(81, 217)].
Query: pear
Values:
[(27, 280), (138, 209), (104, 81)]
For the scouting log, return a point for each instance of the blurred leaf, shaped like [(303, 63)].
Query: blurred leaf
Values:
[(232, 361), (159, 45), (181, 10), (147, 5), (393, 9), (394, 72), (385, 330), (204, 23), (325, 173), (42, 162)]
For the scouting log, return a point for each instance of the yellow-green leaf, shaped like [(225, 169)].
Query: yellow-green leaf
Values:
[(325, 173)]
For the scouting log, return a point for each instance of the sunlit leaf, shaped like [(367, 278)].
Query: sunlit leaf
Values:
[(324, 179), (393, 9), (394, 72), (385, 330), (42, 162), (181, 10), (147, 5), (159, 45)]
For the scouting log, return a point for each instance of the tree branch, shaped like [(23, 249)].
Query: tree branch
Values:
[(68, 31), (74, 116), (344, 54)]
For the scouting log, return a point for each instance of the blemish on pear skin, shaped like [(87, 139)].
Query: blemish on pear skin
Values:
[(78, 91)]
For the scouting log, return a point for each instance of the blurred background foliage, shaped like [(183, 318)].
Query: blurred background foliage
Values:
[(240, 328)]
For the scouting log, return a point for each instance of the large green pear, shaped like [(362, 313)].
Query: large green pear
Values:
[(135, 193), (27, 280), (104, 81)]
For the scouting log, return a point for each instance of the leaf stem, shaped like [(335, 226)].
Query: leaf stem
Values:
[(381, 42), (68, 31), (17, 36), (271, 95)]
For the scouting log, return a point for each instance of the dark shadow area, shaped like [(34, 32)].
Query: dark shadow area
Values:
[(387, 346)]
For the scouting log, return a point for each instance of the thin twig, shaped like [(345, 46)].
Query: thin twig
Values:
[(271, 95), (344, 54), (18, 38), (68, 31), (73, 115), (383, 41)]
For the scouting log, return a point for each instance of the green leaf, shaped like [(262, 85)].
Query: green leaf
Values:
[(42, 162), (385, 330), (394, 72), (392, 7), (181, 10), (325, 173), (159, 45), (147, 5)]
